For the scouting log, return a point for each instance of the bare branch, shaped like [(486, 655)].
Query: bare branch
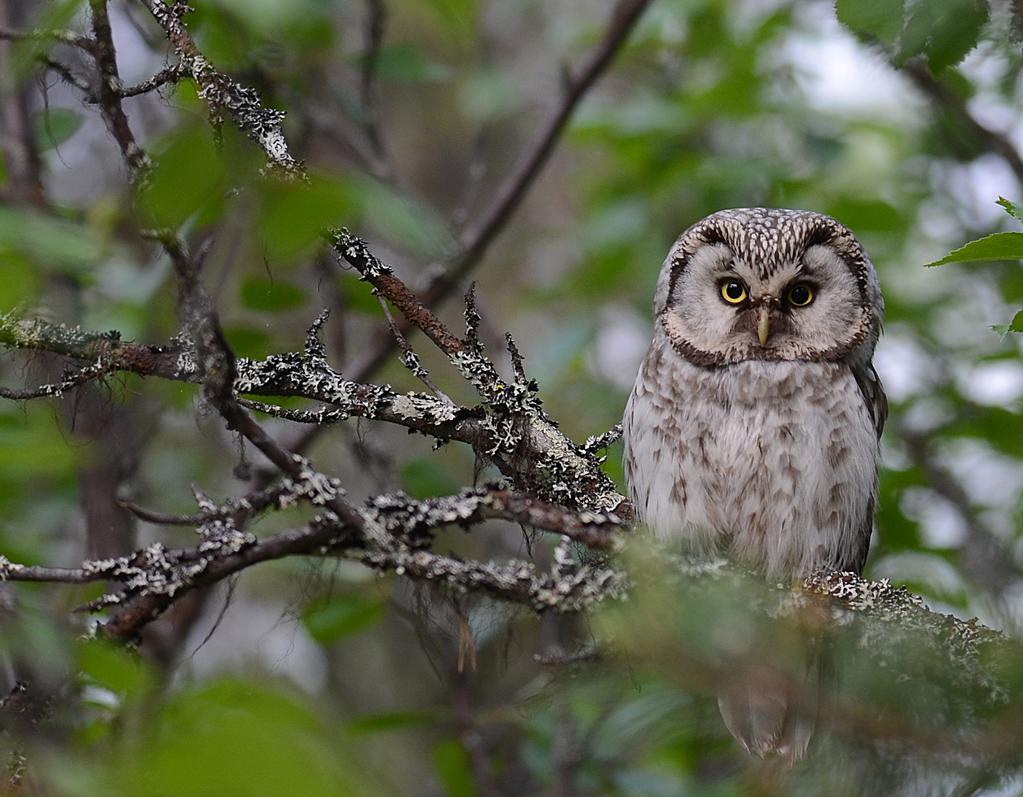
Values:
[(153, 578), (70, 381), (409, 358), (56, 36), (222, 94), (110, 90), (376, 23), (477, 239), (952, 105), (171, 74), (69, 77)]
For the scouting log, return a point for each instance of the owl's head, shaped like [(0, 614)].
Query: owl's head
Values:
[(768, 284)]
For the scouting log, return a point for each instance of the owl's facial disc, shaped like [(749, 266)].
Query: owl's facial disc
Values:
[(727, 306)]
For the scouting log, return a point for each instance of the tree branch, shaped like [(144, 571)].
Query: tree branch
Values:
[(476, 241), (69, 37), (110, 90), (954, 106), (222, 94), (152, 578)]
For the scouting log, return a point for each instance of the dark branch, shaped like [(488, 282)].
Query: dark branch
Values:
[(171, 74), (953, 106), (376, 23), (477, 240), (110, 88)]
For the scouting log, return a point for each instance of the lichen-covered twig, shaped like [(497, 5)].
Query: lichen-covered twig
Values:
[(511, 429), (169, 75), (149, 580), (224, 95), (515, 420), (409, 358), (72, 379), (602, 441), (516, 425)]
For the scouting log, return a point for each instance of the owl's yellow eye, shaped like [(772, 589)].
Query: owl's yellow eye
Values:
[(733, 292), (800, 295)]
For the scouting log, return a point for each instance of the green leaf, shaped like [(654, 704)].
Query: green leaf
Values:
[(270, 295), (1011, 208), (1016, 325), (188, 174), (877, 19), (421, 478), (459, 17), (295, 215), (389, 721), (248, 341), (452, 762), (946, 30), (867, 214), (237, 738), (405, 63), (341, 615), (32, 447), (1000, 246), (20, 283), (54, 243), (411, 224), (54, 126), (114, 667)]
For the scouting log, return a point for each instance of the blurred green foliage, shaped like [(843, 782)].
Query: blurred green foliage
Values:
[(338, 682)]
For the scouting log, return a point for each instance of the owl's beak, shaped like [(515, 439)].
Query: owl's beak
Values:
[(763, 325)]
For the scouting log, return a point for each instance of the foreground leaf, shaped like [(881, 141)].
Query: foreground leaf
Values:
[(1000, 246)]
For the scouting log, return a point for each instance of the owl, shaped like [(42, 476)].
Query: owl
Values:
[(752, 430)]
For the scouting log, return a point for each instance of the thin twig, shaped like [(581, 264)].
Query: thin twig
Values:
[(376, 23), (110, 88), (64, 72), (409, 358), (171, 74), (509, 196), (58, 36), (222, 94), (70, 381), (951, 104)]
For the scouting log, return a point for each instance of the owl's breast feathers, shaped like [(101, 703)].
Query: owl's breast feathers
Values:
[(772, 463)]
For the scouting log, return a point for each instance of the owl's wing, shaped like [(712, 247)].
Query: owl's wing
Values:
[(877, 405), (873, 394)]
